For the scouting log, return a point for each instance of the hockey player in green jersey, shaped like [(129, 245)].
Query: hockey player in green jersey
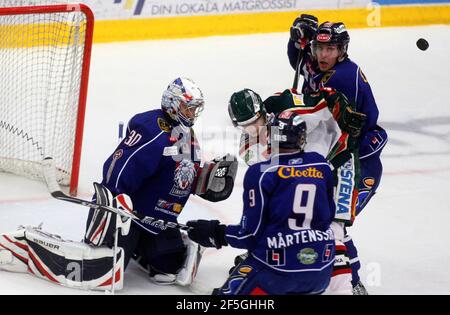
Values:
[(324, 110)]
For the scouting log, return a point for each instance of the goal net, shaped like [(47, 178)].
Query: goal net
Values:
[(45, 52)]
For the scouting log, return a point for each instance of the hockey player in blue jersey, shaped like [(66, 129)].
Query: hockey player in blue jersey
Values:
[(332, 130), (285, 225), (320, 54), (157, 166)]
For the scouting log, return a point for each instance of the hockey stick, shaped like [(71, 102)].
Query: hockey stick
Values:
[(297, 65), (55, 191), (116, 234), (116, 245), (121, 125)]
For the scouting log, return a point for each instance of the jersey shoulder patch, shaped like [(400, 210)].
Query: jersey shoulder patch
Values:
[(363, 76), (327, 76), (164, 125)]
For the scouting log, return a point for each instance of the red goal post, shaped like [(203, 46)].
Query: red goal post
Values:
[(45, 54)]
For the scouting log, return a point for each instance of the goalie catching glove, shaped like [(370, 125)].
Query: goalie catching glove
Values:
[(215, 181)]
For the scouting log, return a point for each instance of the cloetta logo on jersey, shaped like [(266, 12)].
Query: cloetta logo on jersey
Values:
[(289, 172)]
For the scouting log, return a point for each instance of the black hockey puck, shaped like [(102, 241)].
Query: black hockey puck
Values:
[(422, 44)]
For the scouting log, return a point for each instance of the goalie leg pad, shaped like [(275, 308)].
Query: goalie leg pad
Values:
[(14, 252), (101, 227), (102, 224), (8, 262), (169, 257), (71, 264), (194, 253)]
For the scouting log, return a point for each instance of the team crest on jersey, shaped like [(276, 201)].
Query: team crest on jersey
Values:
[(116, 156), (164, 125), (307, 256), (276, 257), (327, 76), (184, 177)]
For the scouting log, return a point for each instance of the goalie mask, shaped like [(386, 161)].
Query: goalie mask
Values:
[(183, 101)]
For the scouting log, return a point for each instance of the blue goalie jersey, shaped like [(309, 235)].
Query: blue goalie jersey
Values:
[(288, 209), (156, 165)]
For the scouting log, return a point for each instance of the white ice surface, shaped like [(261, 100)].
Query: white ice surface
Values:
[(403, 235)]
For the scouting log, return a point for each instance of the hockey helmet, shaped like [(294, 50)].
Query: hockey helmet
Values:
[(333, 34), (287, 130), (245, 107)]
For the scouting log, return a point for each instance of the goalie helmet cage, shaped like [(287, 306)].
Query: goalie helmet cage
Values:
[(45, 51)]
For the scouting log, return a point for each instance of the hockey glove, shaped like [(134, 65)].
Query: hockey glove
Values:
[(348, 120), (216, 179), (353, 122), (304, 27), (207, 233)]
